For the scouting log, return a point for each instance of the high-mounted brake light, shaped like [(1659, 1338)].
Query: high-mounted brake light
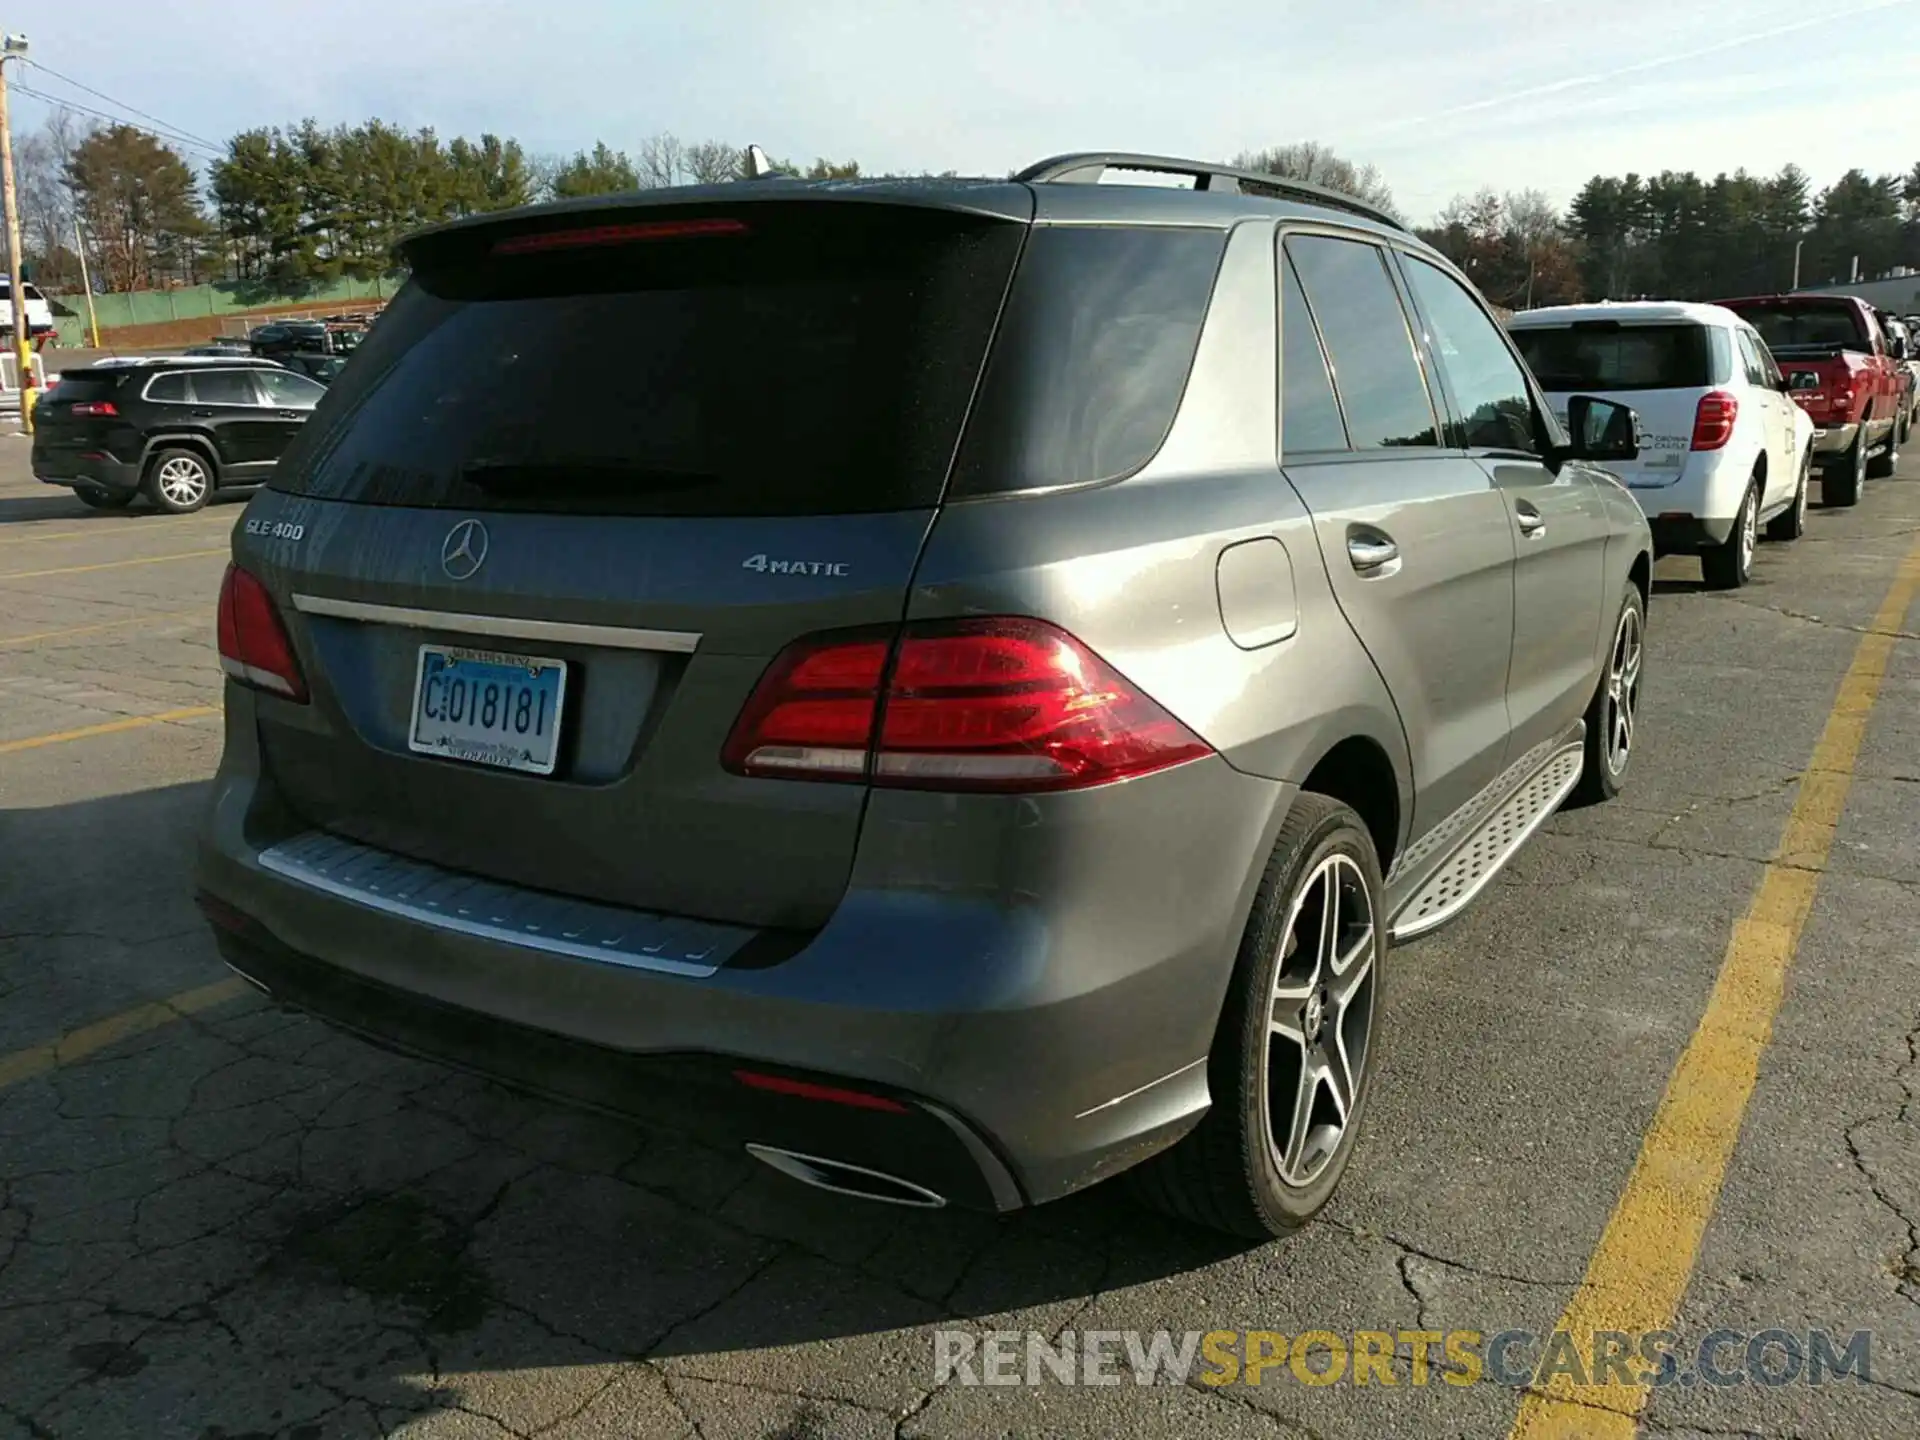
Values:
[(98, 408), (593, 235), (1000, 704), (1713, 420), (254, 647)]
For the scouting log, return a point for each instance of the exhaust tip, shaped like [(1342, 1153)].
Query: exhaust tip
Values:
[(844, 1179)]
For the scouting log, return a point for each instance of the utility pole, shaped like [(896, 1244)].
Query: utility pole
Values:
[(1796, 262), (11, 48), (86, 281)]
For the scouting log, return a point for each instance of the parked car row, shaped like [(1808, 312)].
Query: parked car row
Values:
[(1742, 402)]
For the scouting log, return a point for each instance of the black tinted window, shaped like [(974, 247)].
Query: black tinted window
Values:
[(812, 359), (168, 387), (224, 387), (1309, 415), (1487, 382), (1381, 387), (1606, 355), (77, 385), (1785, 326), (1092, 357)]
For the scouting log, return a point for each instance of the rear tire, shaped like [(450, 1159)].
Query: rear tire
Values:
[(1289, 1010), (179, 481), (1613, 716), (1729, 565), (95, 498), (1840, 482), (1791, 523), (1880, 466)]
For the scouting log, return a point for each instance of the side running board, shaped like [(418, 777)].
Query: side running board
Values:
[(1485, 849)]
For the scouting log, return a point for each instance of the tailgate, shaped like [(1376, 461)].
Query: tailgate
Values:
[(618, 476)]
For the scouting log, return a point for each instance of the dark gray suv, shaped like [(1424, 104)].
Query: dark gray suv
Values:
[(952, 686)]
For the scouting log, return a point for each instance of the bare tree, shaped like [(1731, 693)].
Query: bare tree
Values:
[(712, 161), (1317, 164), (661, 161), (46, 199)]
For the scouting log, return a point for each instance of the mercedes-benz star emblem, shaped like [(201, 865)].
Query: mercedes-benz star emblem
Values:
[(465, 549)]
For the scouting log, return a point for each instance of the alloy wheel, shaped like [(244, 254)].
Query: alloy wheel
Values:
[(1321, 1020), (182, 480), (1749, 533), (1623, 689)]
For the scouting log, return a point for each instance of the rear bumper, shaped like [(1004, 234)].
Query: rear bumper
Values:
[(71, 468), (1829, 440), (1687, 534), (1042, 1007)]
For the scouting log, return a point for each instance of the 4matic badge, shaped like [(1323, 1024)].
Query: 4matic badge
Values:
[(794, 567)]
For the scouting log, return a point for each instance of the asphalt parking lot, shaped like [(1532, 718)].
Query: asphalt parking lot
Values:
[(221, 1220)]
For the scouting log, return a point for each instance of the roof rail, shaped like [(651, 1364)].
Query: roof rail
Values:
[(1086, 168)]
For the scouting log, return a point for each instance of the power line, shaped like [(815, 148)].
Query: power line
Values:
[(122, 105), (171, 139)]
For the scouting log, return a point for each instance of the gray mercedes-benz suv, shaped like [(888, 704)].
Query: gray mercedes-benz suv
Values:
[(952, 686)]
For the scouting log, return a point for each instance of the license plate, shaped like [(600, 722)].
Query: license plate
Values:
[(488, 708)]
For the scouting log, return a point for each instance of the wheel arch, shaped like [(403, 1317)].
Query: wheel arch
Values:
[(1357, 769), (192, 440)]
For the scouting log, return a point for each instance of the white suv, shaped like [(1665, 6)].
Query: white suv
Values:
[(1724, 448)]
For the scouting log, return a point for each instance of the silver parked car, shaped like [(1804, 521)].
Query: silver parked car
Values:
[(954, 686)]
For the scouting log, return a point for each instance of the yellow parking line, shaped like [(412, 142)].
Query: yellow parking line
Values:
[(111, 530), (77, 1045), (160, 619), (110, 727), (1640, 1269), (110, 564)]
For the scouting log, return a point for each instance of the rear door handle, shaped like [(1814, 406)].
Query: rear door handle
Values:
[(1532, 522), (201, 414), (1369, 552), (290, 414)]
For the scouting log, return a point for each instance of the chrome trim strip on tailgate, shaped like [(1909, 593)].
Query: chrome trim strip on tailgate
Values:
[(507, 914), (618, 637)]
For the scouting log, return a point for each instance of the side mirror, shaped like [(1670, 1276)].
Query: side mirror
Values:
[(1803, 380), (1602, 430)]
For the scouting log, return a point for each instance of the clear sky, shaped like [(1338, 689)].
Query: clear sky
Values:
[(1443, 95)]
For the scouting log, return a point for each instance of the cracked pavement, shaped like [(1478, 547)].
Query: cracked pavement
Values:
[(239, 1224)]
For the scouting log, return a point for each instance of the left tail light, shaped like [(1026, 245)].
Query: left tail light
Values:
[(254, 646), (98, 409), (1006, 704)]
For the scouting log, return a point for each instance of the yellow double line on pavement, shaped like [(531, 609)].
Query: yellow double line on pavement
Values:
[(1639, 1271)]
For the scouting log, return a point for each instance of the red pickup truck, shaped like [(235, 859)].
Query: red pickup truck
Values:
[(1840, 368)]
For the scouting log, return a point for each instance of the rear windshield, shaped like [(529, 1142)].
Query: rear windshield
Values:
[(78, 385), (1611, 356), (1785, 326), (816, 359)]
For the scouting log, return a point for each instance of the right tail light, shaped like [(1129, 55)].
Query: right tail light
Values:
[(1713, 420), (1005, 704), (254, 646)]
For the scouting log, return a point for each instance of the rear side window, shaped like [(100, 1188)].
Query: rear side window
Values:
[(168, 387), (1606, 355), (224, 387), (1309, 415), (799, 358), (1092, 357), (1382, 388)]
